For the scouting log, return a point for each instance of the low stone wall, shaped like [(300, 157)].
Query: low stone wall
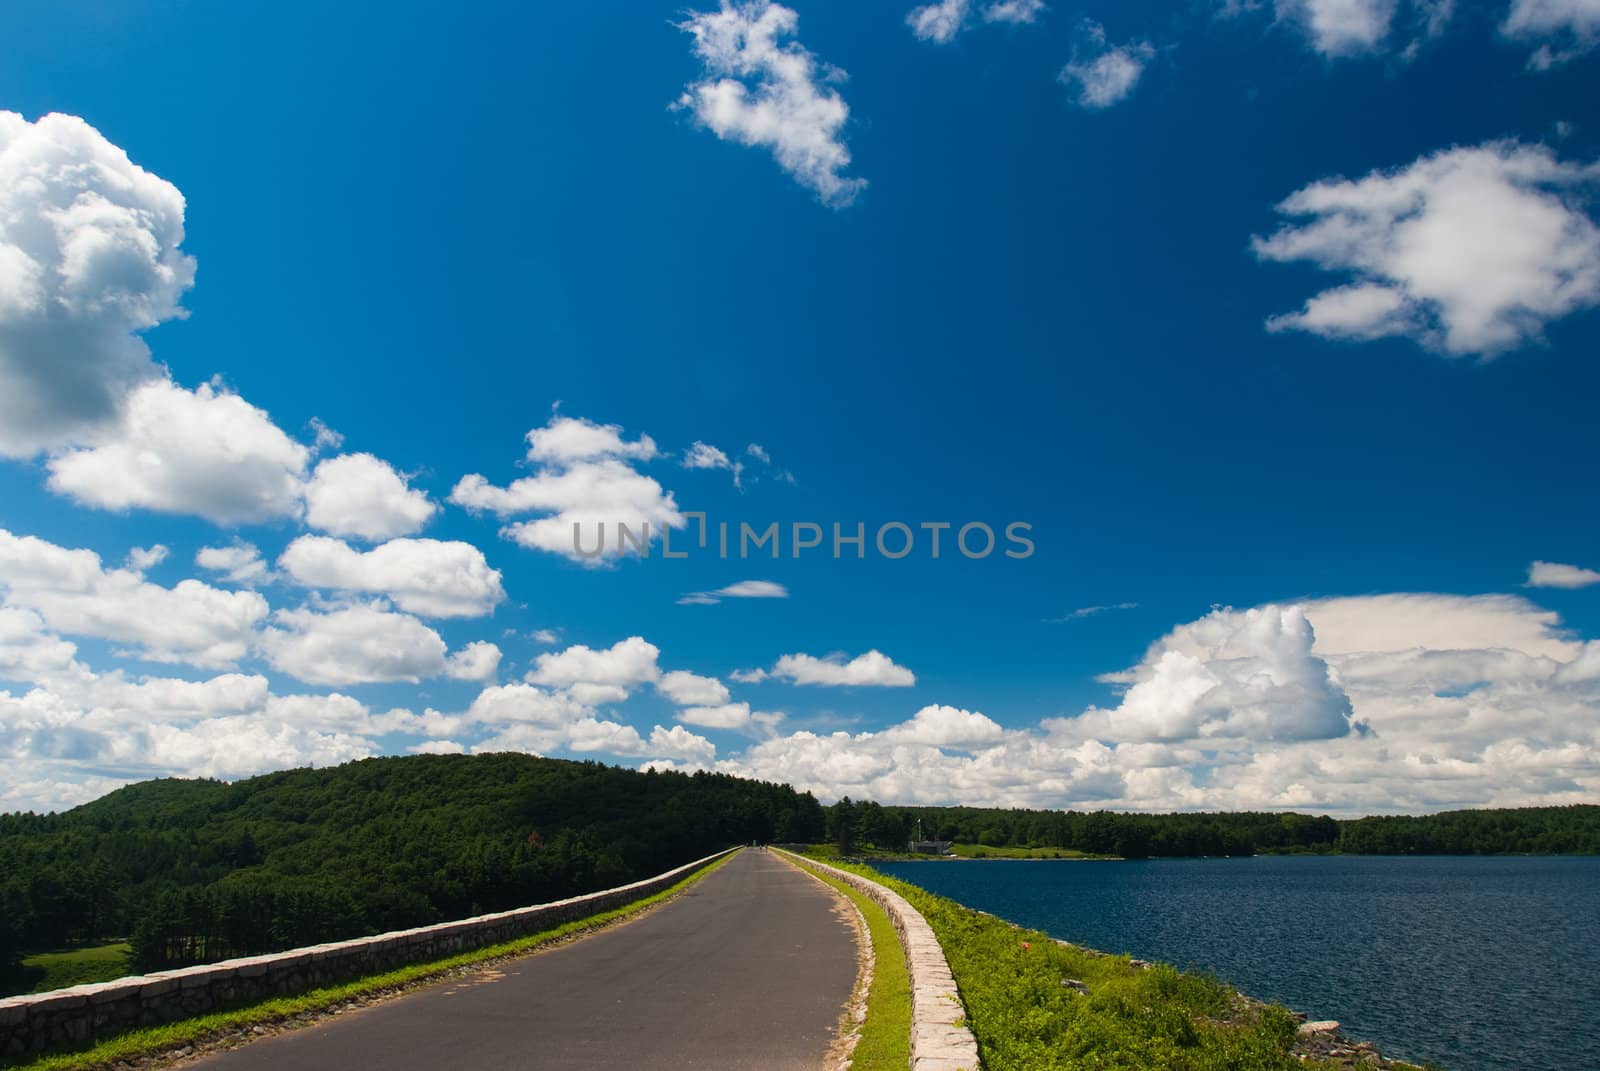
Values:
[(41, 1022), (937, 1042)]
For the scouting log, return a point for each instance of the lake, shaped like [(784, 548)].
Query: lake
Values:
[(1471, 963)]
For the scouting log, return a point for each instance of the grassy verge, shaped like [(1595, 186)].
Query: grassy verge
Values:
[(1037, 1005), (75, 966), (885, 1041), (197, 1031)]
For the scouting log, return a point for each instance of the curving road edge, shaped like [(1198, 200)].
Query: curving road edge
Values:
[(939, 1041)]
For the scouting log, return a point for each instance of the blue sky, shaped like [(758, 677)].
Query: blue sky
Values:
[(1275, 322)]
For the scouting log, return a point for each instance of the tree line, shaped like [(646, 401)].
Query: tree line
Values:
[(199, 870), (1570, 830)]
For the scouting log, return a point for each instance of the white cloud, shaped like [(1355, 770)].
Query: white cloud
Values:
[(744, 589), (692, 690), (585, 478), (1017, 12), (947, 727), (1557, 575), (437, 747), (72, 593), (545, 635), (523, 704), (1576, 23), (1465, 701), (430, 577), (703, 456), (735, 717), (1468, 251), (1341, 27), (239, 563), (354, 645), (568, 439), (1105, 74), (89, 258), (205, 452), (1090, 611), (362, 496), (757, 92), (1421, 621), (27, 650), (943, 21), (618, 668), (871, 669), (477, 661), (1250, 675), (141, 559), (940, 22)]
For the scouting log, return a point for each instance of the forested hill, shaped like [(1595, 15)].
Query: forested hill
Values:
[(197, 870)]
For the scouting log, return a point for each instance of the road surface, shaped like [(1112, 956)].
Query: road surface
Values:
[(748, 969)]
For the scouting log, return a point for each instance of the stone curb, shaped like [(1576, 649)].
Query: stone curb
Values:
[(938, 1041), (38, 1022)]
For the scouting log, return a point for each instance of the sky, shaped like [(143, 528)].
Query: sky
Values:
[(1211, 387)]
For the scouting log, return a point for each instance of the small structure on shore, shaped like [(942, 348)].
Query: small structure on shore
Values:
[(929, 847)]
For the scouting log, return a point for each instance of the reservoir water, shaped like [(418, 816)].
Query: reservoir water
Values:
[(1471, 963)]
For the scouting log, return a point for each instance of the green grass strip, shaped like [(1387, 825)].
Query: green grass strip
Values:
[(150, 1040), (1016, 987), (885, 1042)]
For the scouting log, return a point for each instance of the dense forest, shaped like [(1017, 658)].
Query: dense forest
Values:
[(1532, 830), (196, 870)]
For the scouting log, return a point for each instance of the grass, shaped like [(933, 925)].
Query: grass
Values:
[(76, 966), (151, 1040), (1026, 1018), (885, 1041), (984, 851)]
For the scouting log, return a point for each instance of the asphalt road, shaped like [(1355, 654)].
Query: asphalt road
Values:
[(749, 969)]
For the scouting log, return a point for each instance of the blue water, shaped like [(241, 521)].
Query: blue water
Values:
[(1474, 964)]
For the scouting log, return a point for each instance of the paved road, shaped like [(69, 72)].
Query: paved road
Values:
[(749, 969)]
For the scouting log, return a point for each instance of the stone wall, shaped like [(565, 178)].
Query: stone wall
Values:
[(66, 1018), (937, 1042)]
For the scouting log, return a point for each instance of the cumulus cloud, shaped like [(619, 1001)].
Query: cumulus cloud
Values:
[(1341, 27), (1104, 74), (1574, 24), (205, 452), (605, 675), (1370, 704), (1557, 575), (940, 22), (744, 589), (362, 496), (1017, 12), (89, 258), (354, 645), (72, 592), (871, 669), (239, 563), (1250, 675), (1470, 251), (477, 661), (758, 92), (430, 577), (585, 479), (692, 690), (28, 651)]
